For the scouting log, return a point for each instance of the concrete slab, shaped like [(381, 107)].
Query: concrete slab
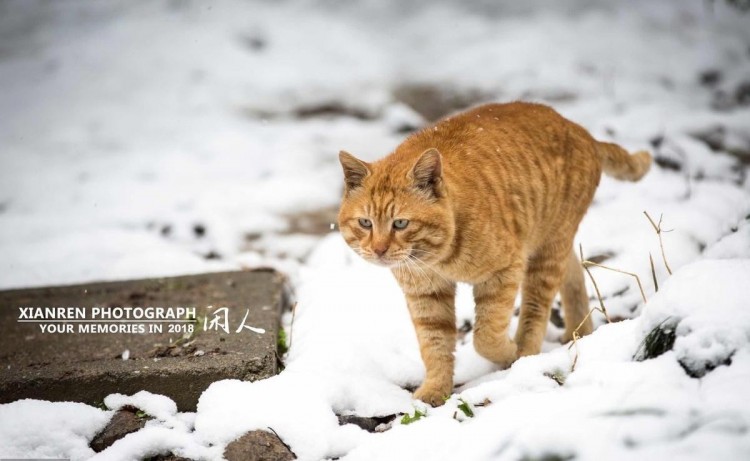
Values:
[(85, 366)]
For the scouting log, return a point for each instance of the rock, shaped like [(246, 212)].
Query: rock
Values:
[(367, 423), (333, 109), (710, 77), (122, 423), (86, 367), (168, 457), (433, 101), (668, 163), (258, 446)]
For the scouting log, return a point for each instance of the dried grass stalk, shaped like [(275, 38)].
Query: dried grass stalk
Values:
[(659, 230)]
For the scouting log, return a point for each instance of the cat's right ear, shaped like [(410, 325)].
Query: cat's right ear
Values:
[(355, 170), (427, 173)]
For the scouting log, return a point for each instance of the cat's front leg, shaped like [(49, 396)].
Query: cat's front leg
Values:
[(494, 299), (431, 305)]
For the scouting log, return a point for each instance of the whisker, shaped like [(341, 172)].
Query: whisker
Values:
[(411, 272), (407, 266), (426, 276), (425, 252), (424, 264)]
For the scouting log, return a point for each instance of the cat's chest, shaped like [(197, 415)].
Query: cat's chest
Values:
[(474, 260), (467, 268)]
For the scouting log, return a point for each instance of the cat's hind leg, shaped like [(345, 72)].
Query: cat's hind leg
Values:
[(545, 270), (494, 299), (575, 300)]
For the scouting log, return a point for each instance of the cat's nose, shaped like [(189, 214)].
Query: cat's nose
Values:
[(380, 250)]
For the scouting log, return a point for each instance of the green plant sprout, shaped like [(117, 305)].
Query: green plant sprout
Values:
[(418, 414), (281, 343), (465, 407)]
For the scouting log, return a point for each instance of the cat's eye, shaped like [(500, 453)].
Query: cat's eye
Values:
[(400, 223), (366, 223)]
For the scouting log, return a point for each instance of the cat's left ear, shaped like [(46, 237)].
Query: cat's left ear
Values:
[(427, 173)]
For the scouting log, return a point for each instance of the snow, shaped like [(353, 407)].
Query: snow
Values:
[(707, 336), (610, 406), (736, 244), (60, 430), (128, 126), (152, 441), (157, 406), (286, 404)]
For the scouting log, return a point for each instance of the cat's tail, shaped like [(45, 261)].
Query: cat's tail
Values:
[(619, 164)]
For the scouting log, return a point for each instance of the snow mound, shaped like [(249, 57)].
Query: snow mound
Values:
[(38, 429), (707, 302)]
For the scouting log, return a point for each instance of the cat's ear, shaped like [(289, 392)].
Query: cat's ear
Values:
[(355, 170), (427, 172)]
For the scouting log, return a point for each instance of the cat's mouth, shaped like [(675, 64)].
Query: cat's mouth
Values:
[(385, 261), (389, 261)]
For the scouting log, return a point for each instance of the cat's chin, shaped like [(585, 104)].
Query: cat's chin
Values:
[(388, 264)]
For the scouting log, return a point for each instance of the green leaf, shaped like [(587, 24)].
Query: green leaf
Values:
[(408, 419), (557, 376), (466, 408), (281, 342)]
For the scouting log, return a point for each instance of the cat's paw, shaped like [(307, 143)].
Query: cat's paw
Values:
[(525, 351), (503, 353), (432, 395)]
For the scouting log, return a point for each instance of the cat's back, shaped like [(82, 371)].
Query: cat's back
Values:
[(519, 163), (508, 129), (508, 114)]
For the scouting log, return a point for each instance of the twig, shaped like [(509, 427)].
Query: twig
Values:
[(658, 230), (637, 279), (601, 308), (653, 273), (576, 336), (596, 287), (282, 441)]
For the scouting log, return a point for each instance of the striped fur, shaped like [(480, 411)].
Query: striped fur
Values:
[(493, 197)]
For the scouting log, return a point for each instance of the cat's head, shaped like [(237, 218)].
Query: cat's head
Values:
[(396, 212)]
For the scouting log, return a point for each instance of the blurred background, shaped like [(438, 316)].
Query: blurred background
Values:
[(168, 137)]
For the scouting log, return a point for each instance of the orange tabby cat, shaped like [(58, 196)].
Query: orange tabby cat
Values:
[(491, 197)]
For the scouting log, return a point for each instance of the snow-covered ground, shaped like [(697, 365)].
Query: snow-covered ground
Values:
[(158, 138)]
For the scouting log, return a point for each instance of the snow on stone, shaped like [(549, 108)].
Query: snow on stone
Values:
[(155, 440), (156, 406)]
